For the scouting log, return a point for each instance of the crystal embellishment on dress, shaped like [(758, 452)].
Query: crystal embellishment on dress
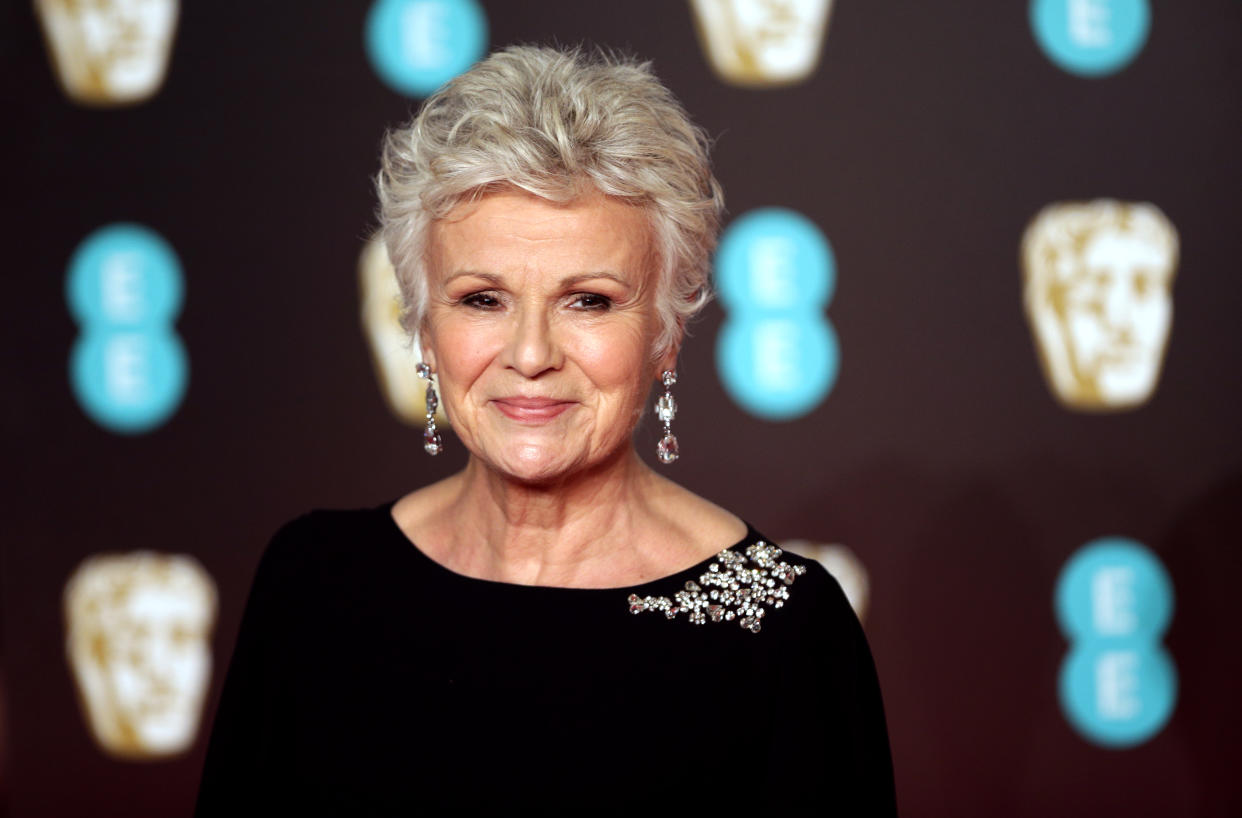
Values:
[(730, 589)]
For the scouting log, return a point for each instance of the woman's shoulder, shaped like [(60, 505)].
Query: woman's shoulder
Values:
[(320, 524), (689, 518), (327, 537), (820, 590), (754, 583), (814, 595)]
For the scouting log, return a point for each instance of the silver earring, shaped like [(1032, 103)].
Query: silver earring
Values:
[(666, 409), (432, 443)]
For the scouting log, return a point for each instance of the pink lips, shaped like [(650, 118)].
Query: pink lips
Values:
[(531, 410)]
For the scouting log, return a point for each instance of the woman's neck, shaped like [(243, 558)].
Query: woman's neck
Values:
[(583, 530)]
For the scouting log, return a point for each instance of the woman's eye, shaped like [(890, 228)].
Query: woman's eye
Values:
[(481, 301), (592, 301)]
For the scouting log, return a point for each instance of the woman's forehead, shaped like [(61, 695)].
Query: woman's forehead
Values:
[(512, 230)]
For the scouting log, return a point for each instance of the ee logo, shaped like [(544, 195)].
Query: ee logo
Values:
[(776, 353), (418, 45), (1091, 38), (128, 367), (1114, 602)]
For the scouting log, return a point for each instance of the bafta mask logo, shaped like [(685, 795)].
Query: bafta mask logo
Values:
[(762, 43), (843, 564), (138, 632), (1098, 293), (394, 356), (109, 52)]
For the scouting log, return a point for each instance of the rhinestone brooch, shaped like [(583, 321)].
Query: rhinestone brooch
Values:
[(730, 589)]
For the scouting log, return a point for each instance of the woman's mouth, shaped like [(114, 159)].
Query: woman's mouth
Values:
[(531, 410)]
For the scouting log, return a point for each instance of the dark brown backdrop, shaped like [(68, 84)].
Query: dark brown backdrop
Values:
[(928, 138)]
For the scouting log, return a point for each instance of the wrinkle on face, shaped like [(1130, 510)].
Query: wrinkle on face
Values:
[(515, 282)]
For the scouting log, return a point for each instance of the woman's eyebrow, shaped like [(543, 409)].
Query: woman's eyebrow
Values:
[(565, 283), (491, 278), (574, 280)]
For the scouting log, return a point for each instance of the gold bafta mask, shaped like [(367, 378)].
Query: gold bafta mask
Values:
[(762, 43), (394, 356), (842, 564), (109, 52), (1098, 294), (138, 630)]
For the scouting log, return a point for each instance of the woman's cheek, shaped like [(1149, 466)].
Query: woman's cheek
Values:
[(613, 356), (466, 350)]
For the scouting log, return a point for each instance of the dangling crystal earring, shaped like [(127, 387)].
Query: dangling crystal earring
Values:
[(431, 438), (666, 409)]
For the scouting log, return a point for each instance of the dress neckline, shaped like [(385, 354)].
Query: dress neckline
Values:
[(399, 538)]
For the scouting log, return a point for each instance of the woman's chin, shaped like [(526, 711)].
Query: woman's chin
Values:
[(535, 465)]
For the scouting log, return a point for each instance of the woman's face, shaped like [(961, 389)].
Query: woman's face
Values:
[(540, 326)]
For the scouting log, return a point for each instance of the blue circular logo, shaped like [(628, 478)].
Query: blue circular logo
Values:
[(128, 369), (129, 381), (1114, 601), (775, 260), (1114, 588), (418, 45), (124, 275), (776, 353), (777, 368), (1090, 38), (1117, 697)]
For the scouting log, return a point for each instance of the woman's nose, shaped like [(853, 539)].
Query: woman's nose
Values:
[(532, 349)]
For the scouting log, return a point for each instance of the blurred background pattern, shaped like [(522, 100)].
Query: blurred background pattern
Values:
[(976, 347)]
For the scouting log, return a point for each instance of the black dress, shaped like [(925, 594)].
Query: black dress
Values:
[(370, 680)]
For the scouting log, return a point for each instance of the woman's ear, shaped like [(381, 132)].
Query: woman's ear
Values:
[(669, 359), (424, 350)]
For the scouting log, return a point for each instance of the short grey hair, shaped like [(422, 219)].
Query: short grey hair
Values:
[(555, 123)]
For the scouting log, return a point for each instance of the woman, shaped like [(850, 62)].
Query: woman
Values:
[(556, 628)]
